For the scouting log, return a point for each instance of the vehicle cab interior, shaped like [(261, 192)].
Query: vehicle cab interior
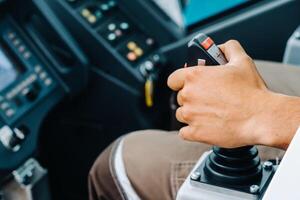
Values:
[(75, 75)]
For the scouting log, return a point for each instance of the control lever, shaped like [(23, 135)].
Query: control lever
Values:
[(149, 69), (228, 173)]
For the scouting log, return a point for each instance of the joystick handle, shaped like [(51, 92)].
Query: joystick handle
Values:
[(236, 167)]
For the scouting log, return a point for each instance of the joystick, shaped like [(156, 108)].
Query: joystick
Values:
[(224, 173)]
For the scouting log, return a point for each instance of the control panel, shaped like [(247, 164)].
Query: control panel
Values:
[(34, 77), (29, 80), (114, 38), (117, 29)]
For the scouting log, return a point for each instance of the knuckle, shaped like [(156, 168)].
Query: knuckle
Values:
[(247, 59), (185, 114), (233, 42), (183, 132), (194, 73), (184, 94), (190, 75), (178, 113)]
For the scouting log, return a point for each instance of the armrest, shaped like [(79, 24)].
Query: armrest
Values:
[(281, 78)]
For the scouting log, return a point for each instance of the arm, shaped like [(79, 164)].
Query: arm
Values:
[(230, 105)]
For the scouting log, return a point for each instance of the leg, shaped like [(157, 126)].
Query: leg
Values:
[(156, 164)]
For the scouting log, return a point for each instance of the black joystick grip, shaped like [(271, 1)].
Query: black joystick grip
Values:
[(226, 167), (233, 167)]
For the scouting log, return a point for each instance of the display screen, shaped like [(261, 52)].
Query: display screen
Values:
[(8, 71), (199, 10)]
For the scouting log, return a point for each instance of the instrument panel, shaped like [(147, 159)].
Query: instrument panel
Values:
[(24, 77), (31, 84), (49, 50)]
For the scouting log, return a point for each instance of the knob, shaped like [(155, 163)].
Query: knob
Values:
[(32, 93), (11, 139)]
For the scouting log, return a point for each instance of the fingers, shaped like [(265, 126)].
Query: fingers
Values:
[(192, 133), (187, 133), (180, 98), (180, 116), (232, 50), (177, 78)]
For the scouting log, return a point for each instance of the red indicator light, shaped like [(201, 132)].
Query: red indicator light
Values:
[(207, 43)]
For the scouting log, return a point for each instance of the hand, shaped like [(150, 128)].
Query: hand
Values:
[(230, 106)]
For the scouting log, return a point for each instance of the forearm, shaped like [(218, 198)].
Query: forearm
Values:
[(282, 119)]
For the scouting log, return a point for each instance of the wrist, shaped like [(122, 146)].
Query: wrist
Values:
[(278, 120)]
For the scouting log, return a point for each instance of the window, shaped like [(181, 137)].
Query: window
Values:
[(198, 10)]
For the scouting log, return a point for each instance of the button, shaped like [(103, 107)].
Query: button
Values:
[(118, 33), (207, 43), (85, 12), (48, 82), (104, 7), (27, 55), (149, 41), (16, 42), (43, 75), (124, 26), (131, 56), (11, 35), (10, 112), (111, 26), (4, 105), (139, 52), (156, 58), (131, 45), (37, 68), (112, 3), (112, 37), (21, 48), (92, 19), (149, 65)]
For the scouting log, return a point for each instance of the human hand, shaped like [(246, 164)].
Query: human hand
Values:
[(229, 105)]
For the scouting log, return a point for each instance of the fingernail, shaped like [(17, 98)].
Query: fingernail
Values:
[(201, 62), (185, 65)]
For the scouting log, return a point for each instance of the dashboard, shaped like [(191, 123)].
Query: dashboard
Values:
[(50, 49), (77, 74), (30, 85)]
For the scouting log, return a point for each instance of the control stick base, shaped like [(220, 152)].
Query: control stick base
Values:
[(196, 187)]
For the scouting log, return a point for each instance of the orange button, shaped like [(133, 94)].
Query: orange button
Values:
[(207, 43), (131, 56)]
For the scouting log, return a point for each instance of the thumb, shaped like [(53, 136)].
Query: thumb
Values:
[(233, 51)]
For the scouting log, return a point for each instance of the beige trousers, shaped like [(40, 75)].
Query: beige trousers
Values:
[(154, 163)]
